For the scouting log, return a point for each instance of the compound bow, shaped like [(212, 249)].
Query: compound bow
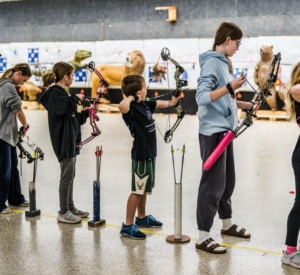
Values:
[(37, 152), (94, 102), (165, 55), (247, 121), (260, 96)]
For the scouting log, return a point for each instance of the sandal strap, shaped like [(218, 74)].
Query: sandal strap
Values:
[(210, 246), (208, 241), (214, 246), (242, 232), (232, 231)]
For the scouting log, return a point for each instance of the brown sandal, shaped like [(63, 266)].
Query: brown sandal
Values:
[(232, 232), (212, 248)]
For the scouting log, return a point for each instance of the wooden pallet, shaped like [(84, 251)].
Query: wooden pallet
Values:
[(30, 105), (272, 115), (104, 108)]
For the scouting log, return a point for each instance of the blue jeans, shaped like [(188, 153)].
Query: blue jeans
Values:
[(10, 188)]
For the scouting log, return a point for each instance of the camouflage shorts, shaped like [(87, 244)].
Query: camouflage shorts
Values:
[(143, 176)]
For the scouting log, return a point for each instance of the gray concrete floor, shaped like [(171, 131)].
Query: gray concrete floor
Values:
[(261, 203)]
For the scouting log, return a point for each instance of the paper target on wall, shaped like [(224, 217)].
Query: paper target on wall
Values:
[(80, 75), (33, 55), (3, 64)]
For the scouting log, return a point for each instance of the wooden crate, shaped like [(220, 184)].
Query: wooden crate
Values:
[(272, 115)]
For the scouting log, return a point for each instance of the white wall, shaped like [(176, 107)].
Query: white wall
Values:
[(184, 51)]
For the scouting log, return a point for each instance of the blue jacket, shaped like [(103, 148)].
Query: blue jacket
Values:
[(217, 116)]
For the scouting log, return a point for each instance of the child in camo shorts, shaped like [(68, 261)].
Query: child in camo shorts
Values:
[(137, 115)]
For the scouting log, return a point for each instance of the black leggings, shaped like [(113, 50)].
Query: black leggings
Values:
[(293, 221)]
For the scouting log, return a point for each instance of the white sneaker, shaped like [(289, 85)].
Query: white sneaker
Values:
[(292, 259), (6, 210), (68, 217)]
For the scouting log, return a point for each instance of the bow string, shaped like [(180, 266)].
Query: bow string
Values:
[(260, 96), (165, 55), (37, 151)]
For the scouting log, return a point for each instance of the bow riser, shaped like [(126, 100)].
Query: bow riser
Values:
[(165, 55), (95, 101)]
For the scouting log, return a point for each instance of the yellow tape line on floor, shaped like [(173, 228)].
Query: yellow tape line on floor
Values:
[(165, 234)]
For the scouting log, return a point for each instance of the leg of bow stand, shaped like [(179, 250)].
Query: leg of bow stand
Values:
[(97, 222), (32, 195)]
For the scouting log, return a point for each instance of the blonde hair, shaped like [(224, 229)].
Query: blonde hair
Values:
[(20, 67), (59, 70), (227, 29), (294, 79)]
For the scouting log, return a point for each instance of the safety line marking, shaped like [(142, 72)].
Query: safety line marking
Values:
[(85, 220)]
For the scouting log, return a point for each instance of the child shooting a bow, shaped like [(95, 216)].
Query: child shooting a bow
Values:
[(137, 115)]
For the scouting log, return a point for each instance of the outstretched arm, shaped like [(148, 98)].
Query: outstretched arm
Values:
[(167, 103), (244, 105)]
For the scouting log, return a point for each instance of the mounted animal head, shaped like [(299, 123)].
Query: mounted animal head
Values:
[(266, 53), (135, 62), (158, 72), (82, 54)]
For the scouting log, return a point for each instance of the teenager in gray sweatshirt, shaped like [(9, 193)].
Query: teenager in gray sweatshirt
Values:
[(217, 112), (10, 110)]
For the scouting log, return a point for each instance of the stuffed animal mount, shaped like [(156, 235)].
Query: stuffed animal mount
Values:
[(29, 91), (79, 56), (261, 74), (158, 73), (113, 74)]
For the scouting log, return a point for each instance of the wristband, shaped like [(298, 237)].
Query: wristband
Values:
[(230, 90), (23, 130)]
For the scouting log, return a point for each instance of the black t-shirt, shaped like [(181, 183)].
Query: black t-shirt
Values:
[(142, 128)]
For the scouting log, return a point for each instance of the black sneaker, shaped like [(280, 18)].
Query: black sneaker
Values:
[(148, 221), (132, 231)]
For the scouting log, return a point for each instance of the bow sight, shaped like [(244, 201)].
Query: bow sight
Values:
[(165, 55)]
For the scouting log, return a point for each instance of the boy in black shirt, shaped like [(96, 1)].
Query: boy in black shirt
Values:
[(137, 114)]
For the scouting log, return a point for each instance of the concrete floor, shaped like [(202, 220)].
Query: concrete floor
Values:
[(261, 203)]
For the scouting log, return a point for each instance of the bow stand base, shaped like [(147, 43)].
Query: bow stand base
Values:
[(183, 239), (33, 213), (96, 223)]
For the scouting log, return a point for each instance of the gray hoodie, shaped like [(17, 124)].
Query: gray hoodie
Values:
[(217, 116), (10, 104)]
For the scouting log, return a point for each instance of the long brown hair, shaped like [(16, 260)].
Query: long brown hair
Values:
[(294, 79), (227, 29), (59, 70), (20, 67)]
